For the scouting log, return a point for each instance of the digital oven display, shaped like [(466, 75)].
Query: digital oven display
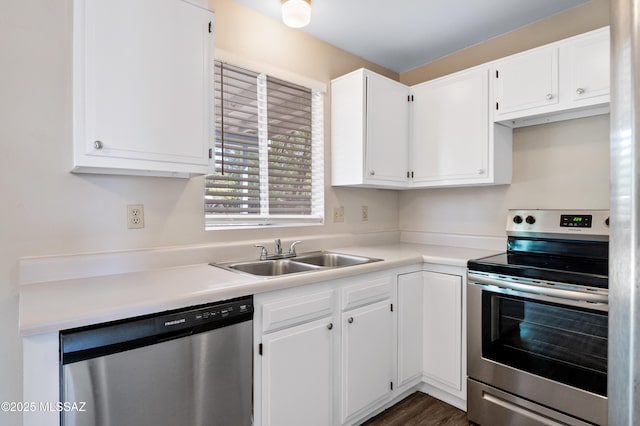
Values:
[(575, 221)]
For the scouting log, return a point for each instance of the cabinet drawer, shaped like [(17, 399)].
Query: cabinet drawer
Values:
[(365, 292), (296, 310)]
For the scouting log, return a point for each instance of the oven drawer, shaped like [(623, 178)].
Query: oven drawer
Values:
[(488, 406)]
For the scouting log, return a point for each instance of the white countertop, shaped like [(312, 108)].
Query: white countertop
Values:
[(57, 305)]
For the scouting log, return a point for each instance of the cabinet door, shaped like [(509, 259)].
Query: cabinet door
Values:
[(143, 84), (526, 81), (450, 138), (297, 375), (587, 62), (410, 326), (387, 130), (366, 357), (443, 329)]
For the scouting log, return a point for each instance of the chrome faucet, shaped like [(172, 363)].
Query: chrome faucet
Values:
[(264, 254)]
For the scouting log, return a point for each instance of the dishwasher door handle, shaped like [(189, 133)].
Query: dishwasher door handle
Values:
[(175, 335), (545, 290)]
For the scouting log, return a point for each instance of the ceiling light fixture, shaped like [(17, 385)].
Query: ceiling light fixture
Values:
[(296, 13)]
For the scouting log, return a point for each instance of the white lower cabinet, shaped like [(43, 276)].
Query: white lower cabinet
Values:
[(432, 333), (442, 345), (295, 338), (297, 375), (367, 358), (410, 328), (338, 352), (324, 353)]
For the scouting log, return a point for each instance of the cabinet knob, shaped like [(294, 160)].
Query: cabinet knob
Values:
[(480, 171), (579, 90), (98, 145), (372, 172), (330, 326), (549, 96), (350, 320)]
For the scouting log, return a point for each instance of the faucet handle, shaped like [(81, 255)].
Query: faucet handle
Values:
[(292, 249), (263, 253)]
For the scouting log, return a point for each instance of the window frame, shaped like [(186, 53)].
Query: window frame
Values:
[(216, 221)]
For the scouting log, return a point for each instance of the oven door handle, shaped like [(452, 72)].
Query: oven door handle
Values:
[(561, 293)]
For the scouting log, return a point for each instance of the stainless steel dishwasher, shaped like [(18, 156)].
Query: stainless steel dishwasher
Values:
[(189, 367)]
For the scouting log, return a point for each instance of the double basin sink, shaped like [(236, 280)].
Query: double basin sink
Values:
[(305, 262)]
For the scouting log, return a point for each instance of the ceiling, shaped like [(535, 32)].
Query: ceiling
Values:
[(403, 34)]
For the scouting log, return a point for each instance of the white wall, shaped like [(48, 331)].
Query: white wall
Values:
[(46, 210), (555, 166)]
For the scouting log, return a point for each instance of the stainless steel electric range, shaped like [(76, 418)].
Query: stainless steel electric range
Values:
[(538, 322)]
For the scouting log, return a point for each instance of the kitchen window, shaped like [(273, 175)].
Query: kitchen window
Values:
[(268, 152)]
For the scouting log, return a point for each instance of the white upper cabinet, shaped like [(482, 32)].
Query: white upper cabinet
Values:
[(456, 130), (375, 130), (453, 142), (369, 131), (559, 81), (526, 81), (143, 91), (586, 75)]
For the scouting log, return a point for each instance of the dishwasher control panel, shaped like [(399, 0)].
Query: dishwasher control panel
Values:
[(207, 315)]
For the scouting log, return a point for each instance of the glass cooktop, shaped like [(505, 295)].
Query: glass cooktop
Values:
[(580, 271)]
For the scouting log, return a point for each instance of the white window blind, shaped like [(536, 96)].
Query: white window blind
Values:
[(268, 152)]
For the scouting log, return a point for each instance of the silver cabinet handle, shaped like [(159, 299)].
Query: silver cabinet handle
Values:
[(330, 326), (480, 171), (350, 320), (372, 172), (98, 145), (580, 91), (549, 96)]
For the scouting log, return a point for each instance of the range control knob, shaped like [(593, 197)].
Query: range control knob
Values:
[(530, 220), (517, 219), (606, 222)]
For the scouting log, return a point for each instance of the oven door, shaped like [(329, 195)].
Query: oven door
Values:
[(543, 342)]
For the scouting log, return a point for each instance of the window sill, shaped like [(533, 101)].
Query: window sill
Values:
[(238, 226)]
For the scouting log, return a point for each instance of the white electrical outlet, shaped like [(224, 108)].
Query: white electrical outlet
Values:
[(365, 213), (135, 216), (338, 214)]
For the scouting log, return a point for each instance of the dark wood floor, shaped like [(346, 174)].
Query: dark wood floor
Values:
[(420, 409)]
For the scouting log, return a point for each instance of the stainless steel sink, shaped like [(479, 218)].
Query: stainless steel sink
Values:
[(305, 262), (269, 268), (333, 260)]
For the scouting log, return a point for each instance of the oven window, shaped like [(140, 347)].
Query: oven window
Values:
[(561, 343)]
